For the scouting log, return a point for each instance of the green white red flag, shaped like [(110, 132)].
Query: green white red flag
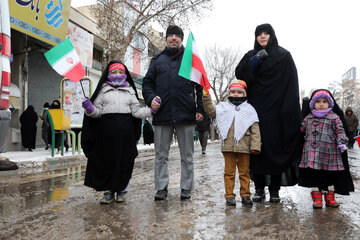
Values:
[(65, 61), (192, 67)]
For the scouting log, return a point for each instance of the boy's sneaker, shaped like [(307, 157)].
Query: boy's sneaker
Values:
[(161, 194), (259, 195), (120, 197), (107, 198), (185, 194), (230, 201), (246, 200)]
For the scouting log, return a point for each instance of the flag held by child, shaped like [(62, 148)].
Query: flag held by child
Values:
[(192, 67), (65, 61)]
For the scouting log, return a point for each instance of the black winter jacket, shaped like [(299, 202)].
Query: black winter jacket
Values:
[(179, 103)]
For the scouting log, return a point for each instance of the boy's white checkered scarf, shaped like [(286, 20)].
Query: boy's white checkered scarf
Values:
[(244, 118)]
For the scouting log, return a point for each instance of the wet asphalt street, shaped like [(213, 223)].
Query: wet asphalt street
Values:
[(51, 202)]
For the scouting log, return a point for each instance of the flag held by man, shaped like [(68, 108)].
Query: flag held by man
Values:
[(192, 67), (65, 61)]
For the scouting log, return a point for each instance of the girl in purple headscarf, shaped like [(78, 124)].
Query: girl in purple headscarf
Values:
[(322, 167)]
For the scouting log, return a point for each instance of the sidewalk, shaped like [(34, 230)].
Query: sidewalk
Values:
[(40, 156)]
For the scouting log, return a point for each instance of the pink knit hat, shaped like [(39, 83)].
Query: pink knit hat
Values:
[(321, 94)]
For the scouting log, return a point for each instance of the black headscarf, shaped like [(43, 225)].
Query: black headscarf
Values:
[(87, 139), (272, 40), (104, 76)]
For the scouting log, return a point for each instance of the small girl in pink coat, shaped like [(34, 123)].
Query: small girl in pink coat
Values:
[(321, 165)]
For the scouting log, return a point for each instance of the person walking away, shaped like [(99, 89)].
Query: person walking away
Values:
[(45, 126), (111, 127), (148, 133), (273, 90), (352, 124), (28, 120), (238, 125), (203, 128), (322, 167), (181, 105)]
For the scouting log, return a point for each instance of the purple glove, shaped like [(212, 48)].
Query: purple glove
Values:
[(342, 147), (87, 105), (158, 101)]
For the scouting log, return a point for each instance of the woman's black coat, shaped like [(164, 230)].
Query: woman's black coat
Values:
[(28, 120), (273, 91)]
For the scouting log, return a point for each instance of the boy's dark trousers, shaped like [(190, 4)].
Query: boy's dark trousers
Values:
[(242, 161)]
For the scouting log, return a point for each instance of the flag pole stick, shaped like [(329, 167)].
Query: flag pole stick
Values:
[(207, 90), (82, 88)]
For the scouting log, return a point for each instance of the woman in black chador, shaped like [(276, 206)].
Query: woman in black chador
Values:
[(28, 120), (111, 127), (271, 77), (148, 133)]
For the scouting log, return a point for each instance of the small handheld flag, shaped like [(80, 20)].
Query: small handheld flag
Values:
[(192, 67), (65, 61)]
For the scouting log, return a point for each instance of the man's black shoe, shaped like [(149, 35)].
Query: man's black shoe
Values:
[(259, 195), (185, 194), (161, 195)]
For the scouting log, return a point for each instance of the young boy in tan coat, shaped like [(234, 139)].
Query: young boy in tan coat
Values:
[(237, 125)]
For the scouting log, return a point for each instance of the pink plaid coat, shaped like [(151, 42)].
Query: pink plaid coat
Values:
[(320, 150)]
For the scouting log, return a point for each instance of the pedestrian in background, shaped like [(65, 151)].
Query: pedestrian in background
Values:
[(111, 127), (273, 90), (322, 166), (28, 120), (238, 126), (55, 105), (203, 128), (352, 124), (180, 107), (45, 126), (148, 133)]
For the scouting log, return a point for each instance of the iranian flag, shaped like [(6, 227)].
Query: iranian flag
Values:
[(65, 61), (192, 67)]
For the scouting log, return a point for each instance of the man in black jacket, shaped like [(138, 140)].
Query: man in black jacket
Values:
[(178, 107)]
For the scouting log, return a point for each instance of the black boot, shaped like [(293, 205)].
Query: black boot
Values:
[(274, 197), (246, 200), (259, 195)]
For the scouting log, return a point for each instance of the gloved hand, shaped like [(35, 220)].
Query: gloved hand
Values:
[(158, 100), (342, 147), (87, 105), (255, 60)]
